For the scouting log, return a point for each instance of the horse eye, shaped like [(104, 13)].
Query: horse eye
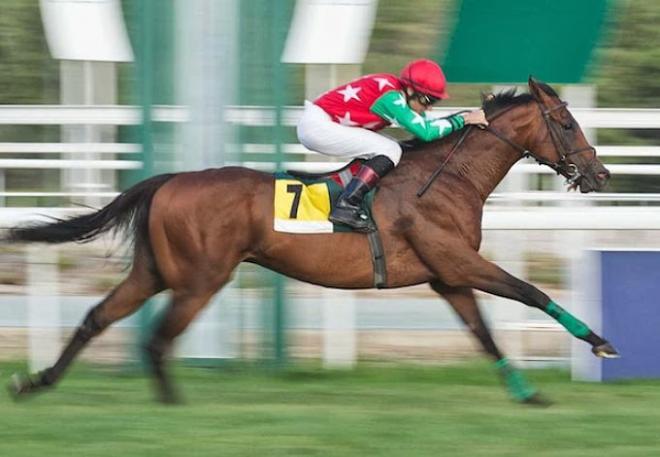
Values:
[(568, 126)]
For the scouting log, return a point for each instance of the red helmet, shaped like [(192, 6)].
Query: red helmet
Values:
[(425, 76)]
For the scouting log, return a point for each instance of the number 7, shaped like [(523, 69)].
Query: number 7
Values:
[(295, 189)]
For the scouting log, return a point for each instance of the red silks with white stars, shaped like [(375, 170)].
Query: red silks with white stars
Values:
[(349, 104)]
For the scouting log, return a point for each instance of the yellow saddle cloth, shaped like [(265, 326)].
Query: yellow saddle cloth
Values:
[(302, 208)]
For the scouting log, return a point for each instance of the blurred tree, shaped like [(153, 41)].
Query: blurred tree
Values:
[(410, 30), (628, 67), (27, 72), (629, 60), (28, 75), (626, 75), (403, 32)]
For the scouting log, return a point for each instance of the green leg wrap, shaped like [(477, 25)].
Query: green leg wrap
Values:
[(516, 383), (574, 325)]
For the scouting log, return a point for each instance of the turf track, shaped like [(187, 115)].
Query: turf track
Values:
[(377, 410)]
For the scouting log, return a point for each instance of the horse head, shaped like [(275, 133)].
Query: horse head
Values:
[(560, 143)]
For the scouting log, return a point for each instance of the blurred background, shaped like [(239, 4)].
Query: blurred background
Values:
[(95, 96)]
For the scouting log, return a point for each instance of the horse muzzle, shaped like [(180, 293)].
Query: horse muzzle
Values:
[(595, 180)]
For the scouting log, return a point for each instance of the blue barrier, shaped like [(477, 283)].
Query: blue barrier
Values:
[(621, 300)]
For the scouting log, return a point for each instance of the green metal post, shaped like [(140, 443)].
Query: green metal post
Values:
[(145, 74), (278, 25)]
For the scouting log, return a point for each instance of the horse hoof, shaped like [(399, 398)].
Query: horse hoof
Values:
[(169, 396), (537, 399), (605, 351), (171, 400), (19, 385)]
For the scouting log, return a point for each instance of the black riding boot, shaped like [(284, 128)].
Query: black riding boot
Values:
[(348, 210)]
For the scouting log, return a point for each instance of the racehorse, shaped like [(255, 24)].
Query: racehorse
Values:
[(192, 229)]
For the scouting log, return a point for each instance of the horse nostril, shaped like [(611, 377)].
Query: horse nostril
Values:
[(603, 175)]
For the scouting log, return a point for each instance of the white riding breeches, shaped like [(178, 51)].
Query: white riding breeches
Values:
[(317, 132)]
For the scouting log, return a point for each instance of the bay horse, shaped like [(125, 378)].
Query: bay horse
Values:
[(192, 229)]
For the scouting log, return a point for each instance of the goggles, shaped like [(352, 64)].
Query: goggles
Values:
[(426, 100)]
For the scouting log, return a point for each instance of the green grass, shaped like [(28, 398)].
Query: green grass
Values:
[(373, 411)]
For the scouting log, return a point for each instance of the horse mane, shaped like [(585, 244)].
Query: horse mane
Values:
[(509, 98), (505, 99)]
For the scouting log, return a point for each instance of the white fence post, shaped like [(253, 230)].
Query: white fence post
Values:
[(43, 316), (339, 333)]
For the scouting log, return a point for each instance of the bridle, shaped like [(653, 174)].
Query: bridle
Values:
[(561, 167)]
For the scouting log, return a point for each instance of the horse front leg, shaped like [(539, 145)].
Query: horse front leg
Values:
[(462, 300), (464, 267)]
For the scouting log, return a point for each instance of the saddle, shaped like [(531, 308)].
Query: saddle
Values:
[(341, 176), (303, 201)]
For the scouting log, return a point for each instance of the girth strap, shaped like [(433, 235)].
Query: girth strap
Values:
[(377, 258)]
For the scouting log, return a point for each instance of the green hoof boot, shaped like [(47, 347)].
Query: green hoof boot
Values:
[(518, 387)]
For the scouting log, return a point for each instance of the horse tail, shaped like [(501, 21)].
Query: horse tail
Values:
[(130, 209)]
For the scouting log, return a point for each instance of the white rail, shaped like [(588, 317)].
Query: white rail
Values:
[(69, 148), (546, 196), (86, 114), (628, 151), (264, 116), (603, 151), (71, 164), (572, 218), (615, 169), (60, 194)]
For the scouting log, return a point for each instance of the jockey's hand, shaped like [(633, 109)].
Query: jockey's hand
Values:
[(476, 117)]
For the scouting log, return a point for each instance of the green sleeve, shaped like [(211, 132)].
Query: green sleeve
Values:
[(392, 106)]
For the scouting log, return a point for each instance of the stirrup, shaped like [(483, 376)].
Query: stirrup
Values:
[(355, 218)]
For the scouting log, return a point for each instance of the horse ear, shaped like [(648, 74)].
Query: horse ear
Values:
[(534, 88), (486, 97)]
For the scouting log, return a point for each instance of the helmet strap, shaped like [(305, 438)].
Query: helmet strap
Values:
[(410, 93)]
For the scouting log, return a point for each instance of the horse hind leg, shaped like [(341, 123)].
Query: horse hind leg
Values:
[(125, 299), (185, 305)]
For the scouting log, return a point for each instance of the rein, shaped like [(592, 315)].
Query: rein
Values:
[(561, 166), (438, 170), (523, 152)]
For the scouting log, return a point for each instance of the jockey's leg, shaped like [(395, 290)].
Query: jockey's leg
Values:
[(318, 132), (348, 210)]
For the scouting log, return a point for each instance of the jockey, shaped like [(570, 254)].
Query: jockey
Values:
[(342, 123)]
